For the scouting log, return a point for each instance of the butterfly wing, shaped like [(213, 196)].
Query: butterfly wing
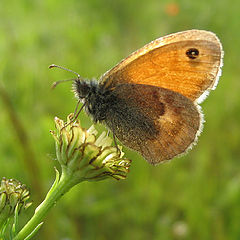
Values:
[(187, 62), (157, 122)]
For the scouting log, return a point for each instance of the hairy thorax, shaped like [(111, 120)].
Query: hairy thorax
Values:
[(95, 98)]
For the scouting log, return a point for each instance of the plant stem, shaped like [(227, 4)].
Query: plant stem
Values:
[(65, 183), (3, 217)]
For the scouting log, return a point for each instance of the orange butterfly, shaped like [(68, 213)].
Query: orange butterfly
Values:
[(150, 99)]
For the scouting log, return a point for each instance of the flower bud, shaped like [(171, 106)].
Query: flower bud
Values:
[(12, 194), (87, 156)]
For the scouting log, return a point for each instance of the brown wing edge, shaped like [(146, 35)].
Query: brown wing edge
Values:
[(215, 83)]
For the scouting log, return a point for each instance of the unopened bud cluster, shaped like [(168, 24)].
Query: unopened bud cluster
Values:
[(13, 194)]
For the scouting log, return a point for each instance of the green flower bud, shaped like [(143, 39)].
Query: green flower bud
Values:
[(12, 194), (87, 156)]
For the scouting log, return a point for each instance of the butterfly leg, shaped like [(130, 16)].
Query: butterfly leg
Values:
[(115, 141), (76, 114)]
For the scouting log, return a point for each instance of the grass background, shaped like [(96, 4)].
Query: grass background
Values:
[(194, 197)]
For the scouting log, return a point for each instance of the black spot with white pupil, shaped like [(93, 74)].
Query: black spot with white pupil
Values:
[(192, 53)]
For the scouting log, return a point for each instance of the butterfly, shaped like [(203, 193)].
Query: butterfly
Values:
[(150, 100)]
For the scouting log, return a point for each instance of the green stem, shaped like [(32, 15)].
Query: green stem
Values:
[(66, 182), (3, 217)]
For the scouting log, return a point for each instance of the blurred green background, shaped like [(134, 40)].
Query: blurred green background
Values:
[(193, 197)]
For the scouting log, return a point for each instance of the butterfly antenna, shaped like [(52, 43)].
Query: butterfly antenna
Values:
[(61, 81), (63, 68), (66, 69)]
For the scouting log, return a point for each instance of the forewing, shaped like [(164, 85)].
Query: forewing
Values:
[(166, 63), (158, 123)]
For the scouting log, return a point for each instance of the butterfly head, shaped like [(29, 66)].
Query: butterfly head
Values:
[(95, 99), (82, 89)]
